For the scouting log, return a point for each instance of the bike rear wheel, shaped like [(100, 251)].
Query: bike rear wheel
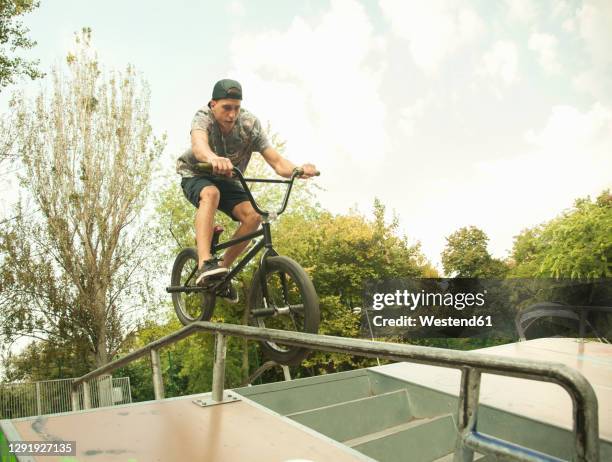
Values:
[(190, 306), (293, 300)]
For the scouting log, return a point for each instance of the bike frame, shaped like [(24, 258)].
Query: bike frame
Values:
[(264, 243)]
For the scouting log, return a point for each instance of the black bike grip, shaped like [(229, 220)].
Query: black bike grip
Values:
[(205, 167), (299, 171)]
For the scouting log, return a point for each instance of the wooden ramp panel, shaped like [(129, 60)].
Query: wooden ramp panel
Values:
[(179, 430)]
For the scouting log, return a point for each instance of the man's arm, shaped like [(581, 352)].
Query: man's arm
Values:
[(203, 153), (285, 167)]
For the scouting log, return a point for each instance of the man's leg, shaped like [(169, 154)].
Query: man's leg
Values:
[(249, 222), (209, 201)]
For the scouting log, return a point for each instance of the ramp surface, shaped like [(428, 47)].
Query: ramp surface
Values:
[(179, 430), (541, 401)]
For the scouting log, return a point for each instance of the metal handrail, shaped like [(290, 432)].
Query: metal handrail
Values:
[(585, 414), (529, 315)]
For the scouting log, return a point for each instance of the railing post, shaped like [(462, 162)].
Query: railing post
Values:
[(286, 372), (467, 413), (86, 396), (74, 397), (158, 380), (219, 367), (38, 406)]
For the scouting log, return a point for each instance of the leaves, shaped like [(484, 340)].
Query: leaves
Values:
[(577, 244), (466, 255), (13, 35), (77, 269)]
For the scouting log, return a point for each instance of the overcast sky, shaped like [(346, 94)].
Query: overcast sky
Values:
[(454, 113)]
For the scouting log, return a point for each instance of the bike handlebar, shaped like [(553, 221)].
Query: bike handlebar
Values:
[(206, 167)]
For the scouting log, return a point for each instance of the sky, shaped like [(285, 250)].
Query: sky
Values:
[(453, 113)]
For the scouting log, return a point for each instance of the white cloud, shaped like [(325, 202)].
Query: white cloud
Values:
[(566, 159), (501, 62), (410, 115), (561, 9), (545, 46), (569, 25), (571, 132), (317, 85), (434, 29), (236, 8), (595, 27), (522, 10)]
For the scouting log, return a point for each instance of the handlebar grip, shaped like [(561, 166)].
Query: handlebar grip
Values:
[(205, 167), (299, 171)]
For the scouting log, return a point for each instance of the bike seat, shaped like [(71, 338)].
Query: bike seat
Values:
[(217, 230)]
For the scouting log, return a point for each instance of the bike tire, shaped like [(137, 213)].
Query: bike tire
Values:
[(299, 288), (194, 306)]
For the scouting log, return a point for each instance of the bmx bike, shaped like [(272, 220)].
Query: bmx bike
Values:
[(281, 295)]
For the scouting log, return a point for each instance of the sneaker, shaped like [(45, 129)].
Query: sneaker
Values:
[(229, 293), (209, 270)]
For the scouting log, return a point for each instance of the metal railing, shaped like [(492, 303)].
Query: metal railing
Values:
[(585, 415), (526, 318), (52, 396)]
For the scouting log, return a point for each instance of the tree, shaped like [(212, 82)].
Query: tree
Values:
[(341, 253), (48, 361), (75, 263), (12, 37), (577, 244), (466, 255)]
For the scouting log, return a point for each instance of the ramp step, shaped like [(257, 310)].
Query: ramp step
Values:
[(421, 440), (351, 419), (304, 394)]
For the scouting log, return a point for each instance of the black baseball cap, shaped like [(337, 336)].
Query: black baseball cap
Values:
[(227, 88)]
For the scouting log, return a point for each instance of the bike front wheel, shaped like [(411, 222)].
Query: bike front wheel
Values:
[(190, 306), (292, 304)]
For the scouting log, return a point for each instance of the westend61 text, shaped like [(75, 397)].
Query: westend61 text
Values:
[(432, 321)]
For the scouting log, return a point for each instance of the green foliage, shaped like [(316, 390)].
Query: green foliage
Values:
[(340, 253), (48, 361), (13, 36), (75, 262), (466, 255), (186, 365), (577, 244)]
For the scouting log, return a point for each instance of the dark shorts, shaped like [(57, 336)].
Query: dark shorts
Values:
[(231, 192)]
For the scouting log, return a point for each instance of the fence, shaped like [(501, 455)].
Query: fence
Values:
[(53, 396)]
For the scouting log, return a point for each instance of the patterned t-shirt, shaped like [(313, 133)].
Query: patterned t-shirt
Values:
[(246, 137)]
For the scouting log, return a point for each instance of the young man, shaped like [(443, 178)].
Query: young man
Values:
[(223, 134)]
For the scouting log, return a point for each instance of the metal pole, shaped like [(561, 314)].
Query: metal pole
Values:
[(38, 406), (129, 389), (583, 320), (74, 397), (158, 380), (219, 368), (86, 397), (371, 332), (286, 373), (467, 414)]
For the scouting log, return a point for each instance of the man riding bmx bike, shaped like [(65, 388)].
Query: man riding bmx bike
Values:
[(225, 135)]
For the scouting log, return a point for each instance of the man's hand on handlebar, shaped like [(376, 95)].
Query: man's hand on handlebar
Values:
[(221, 166), (308, 170)]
